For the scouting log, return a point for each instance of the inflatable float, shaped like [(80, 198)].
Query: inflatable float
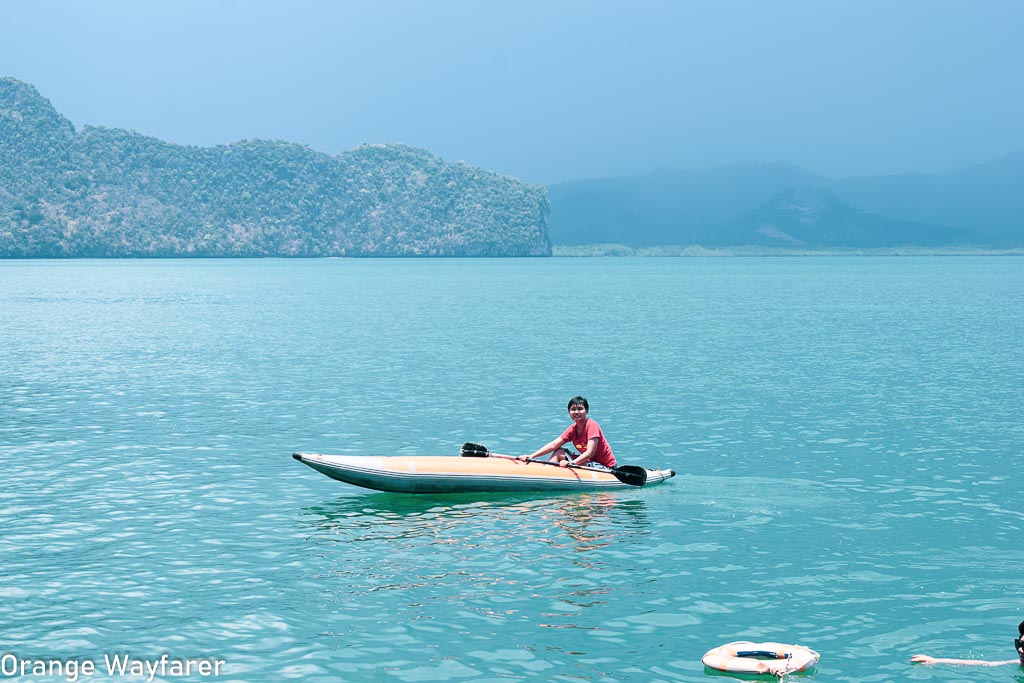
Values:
[(774, 659)]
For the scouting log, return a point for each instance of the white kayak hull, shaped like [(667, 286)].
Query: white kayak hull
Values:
[(450, 474)]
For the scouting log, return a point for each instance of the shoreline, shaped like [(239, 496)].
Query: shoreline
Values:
[(582, 251), (696, 251)]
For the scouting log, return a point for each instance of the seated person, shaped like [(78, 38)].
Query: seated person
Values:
[(585, 434)]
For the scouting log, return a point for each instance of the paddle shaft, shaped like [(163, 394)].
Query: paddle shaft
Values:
[(633, 475)]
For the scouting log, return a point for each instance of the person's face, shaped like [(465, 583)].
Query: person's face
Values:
[(577, 412)]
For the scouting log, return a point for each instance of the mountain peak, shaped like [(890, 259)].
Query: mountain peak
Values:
[(22, 106), (811, 202), (813, 217)]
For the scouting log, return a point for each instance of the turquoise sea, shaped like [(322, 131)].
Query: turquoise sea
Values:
[(847, 431)]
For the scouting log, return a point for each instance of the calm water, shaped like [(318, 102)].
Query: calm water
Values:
[(848, 433)]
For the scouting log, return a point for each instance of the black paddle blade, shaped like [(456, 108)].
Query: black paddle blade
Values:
[(473, 450), (634, 475)]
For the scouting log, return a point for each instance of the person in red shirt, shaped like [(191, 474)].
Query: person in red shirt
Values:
[(585, 434)]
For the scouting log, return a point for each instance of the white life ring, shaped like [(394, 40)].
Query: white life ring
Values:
[(777, 659)]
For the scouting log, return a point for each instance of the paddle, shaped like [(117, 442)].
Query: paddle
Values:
[(634, 475)]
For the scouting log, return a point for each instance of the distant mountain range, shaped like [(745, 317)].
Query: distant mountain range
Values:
[(785, 206), (102, 192)]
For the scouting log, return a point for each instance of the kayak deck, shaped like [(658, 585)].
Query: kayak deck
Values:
[(452, 474)]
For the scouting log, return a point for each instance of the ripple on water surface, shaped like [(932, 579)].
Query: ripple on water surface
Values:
[(846, 433)]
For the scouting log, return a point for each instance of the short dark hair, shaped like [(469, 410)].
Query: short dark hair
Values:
[(1020, 629), (578, 401)]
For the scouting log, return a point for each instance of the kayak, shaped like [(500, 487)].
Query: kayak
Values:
[(452, 474)]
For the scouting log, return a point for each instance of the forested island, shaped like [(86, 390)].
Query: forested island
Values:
[(102, 192)]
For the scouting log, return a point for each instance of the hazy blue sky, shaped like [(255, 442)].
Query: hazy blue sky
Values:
[(546, 90)]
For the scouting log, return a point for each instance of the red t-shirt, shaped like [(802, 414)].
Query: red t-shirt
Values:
[(580, 437)]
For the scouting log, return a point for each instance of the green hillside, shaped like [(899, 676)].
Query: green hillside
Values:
[(102, 192)]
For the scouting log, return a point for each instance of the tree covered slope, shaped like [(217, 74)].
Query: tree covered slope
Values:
[(102, 192)]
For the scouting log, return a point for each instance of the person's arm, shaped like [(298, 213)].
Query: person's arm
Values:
[(586, 455), (544, 450), (925, 659)]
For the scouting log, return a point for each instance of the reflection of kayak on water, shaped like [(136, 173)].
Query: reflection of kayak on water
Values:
[(449, 474)]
